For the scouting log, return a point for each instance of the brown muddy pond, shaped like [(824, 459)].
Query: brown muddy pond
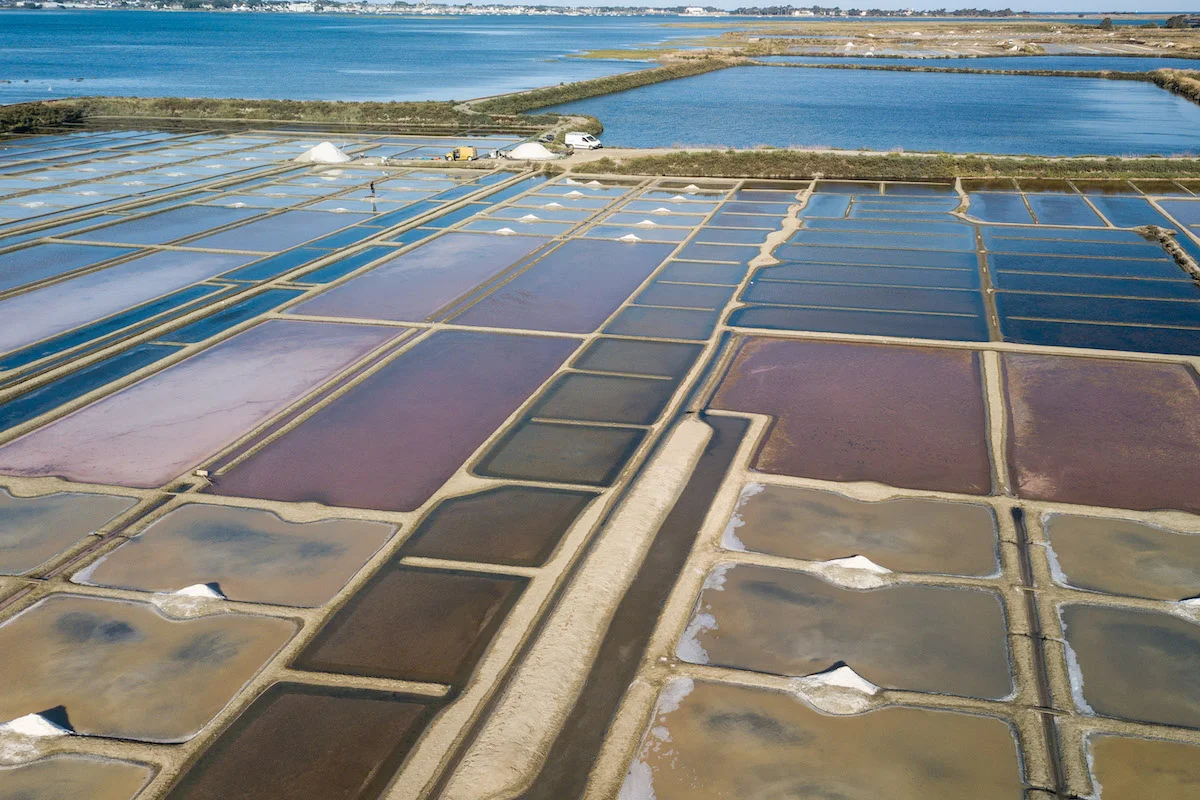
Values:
[(905, 535), (917, 638), (414, 624), (710, 741), (602, 398), (1140, 769), (253, 555), (122, 669), (309, 743), (34, 530), (1135, 665), (513, 525), (1124, 557), (74, 778), (561, 453)]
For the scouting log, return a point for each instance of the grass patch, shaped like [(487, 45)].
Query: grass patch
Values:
[(520, 102), (631, 54), (1183, 83), (427, 116), (800, 164), (28, 117)]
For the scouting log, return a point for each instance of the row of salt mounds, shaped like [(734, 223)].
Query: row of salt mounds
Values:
[(324, 153), (531, 151)]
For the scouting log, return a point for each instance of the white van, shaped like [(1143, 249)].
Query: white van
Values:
[(582, 141)]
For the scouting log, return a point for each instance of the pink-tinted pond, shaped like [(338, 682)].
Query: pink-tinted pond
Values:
[(149, 433), (393, 439), (414, 285)]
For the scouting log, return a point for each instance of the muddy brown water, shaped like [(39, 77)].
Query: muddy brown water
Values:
[(414, 624), (918, 638), (309, 743), (1125, 557), (35, 529), (121, 669), (906, 535), (539, 451), (1136, 665), (253, 555), (601, 398), (1140, 769), (732, 743), (512, 525), (66, 777)]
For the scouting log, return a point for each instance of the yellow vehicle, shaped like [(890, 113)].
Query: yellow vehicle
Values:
[(462, 154)]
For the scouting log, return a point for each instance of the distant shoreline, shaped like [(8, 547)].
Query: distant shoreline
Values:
[(381, 9)]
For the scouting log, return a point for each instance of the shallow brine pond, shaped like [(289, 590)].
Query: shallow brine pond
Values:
[(749, 106)]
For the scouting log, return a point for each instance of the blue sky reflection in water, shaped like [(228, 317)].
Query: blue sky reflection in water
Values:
[(304, 56), (850, 109)]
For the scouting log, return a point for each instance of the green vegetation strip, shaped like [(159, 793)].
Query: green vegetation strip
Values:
[(801, 164), (521, 102), (425, 116), (1182, 83)]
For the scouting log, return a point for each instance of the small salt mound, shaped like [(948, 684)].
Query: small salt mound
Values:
[(324, 153), (34, 725), (208, 590), (531, 151)]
